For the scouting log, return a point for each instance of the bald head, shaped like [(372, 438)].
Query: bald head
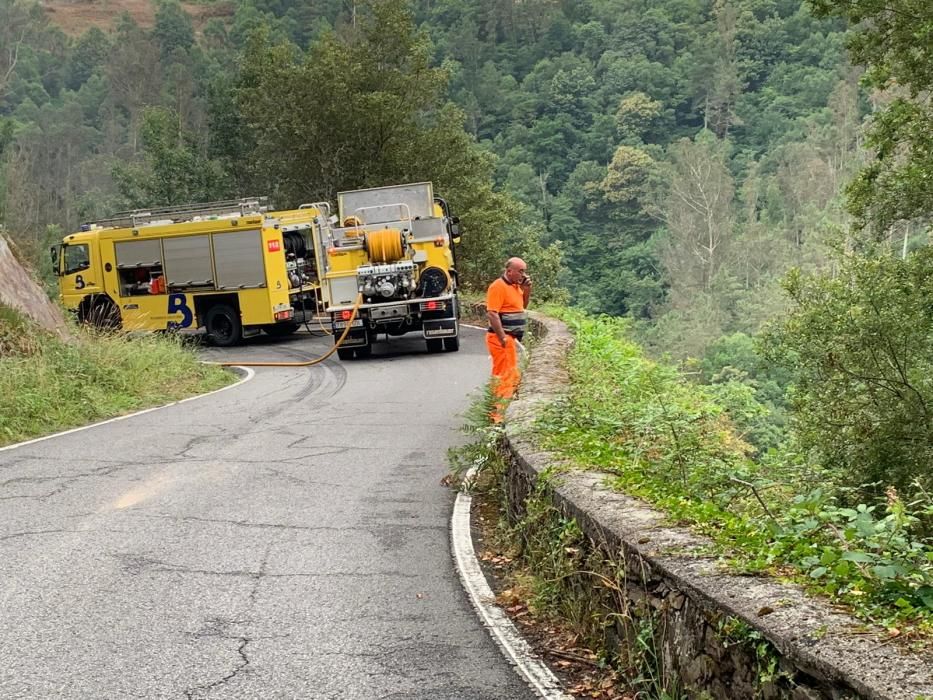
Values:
[(515, 264), (515, 270)]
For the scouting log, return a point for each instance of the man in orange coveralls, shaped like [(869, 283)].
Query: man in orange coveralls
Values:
[(506, 301)]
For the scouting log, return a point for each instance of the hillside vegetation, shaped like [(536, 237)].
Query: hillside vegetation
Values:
[(676, 446), (749, 183), (47, 384)]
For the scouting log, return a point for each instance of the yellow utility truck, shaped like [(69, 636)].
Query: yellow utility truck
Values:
[(390, 251), (232, 267)]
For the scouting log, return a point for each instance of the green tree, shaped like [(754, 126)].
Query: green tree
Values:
[(628, 177), (362, 111), (894, 40), (607, 248), (173, 29), (173, 170), (858, 344), (20, 23), (718, 79), (89, 54), (45, 173), (134, 75), (637, 116)]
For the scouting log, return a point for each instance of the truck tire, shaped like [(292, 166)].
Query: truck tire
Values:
[(345, 354), (224, 327), (434, 344), (103, 314)]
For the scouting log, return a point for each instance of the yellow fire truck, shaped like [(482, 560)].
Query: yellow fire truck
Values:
[(394, 247), (237, 269), (232, 267)]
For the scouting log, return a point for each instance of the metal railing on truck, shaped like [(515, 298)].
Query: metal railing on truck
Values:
[(184, 212)]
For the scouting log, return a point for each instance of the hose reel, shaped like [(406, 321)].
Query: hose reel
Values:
[(385, 246)]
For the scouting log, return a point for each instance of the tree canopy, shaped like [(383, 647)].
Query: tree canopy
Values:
[(894, 40)]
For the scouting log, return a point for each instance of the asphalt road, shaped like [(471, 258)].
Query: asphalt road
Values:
[(287, 538)]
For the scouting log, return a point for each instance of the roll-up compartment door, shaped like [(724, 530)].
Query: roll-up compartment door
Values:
[(238, 260), (188, 261), (138, 253)]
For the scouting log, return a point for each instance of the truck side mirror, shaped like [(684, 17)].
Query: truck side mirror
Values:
[(55, 253), (455, 232)]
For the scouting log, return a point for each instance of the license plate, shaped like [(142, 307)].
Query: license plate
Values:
[(357, 323)]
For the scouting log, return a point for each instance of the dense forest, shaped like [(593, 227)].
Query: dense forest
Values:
[(674, 162), (666, 160)]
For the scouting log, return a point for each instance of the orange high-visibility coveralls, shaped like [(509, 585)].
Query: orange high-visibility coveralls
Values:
[(503, 297)]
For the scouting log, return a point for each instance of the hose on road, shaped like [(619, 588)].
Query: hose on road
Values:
[(306, 363)]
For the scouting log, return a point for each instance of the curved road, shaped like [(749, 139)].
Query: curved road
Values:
[(286, 538)]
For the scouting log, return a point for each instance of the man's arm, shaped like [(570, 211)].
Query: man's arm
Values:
[(496, 324), (526, 291)]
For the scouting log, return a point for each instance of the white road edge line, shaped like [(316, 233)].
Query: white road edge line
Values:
[(250, 373), (513, 646)]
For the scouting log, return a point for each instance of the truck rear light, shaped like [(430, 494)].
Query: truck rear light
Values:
[(346, 314), (433, 305), (283, 315)]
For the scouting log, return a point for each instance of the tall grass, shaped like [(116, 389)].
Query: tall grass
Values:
[(47, 384)]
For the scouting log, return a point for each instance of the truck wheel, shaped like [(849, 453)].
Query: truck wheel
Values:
[(452, 344), (345, 354), (363, 351), (104, 315), (223, 326), (280, 330), (434, 344)]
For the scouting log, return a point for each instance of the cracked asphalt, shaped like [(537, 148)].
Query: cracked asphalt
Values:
[(287, 538)]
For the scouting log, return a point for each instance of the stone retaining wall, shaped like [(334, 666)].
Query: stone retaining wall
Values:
[(694, 607)]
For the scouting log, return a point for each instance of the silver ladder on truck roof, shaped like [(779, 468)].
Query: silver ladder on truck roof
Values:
[(183, 212)]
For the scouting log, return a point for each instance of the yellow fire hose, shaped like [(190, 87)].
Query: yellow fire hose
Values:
[(308, 363), (321, 325)]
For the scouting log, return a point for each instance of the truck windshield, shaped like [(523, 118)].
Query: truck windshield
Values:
[(76, 258)]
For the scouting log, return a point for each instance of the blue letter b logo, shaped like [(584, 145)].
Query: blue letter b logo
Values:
[(178, 303)]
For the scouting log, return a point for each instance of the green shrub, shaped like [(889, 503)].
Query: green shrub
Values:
[(17, 337), (47, 384), (669, 442), (859, 344)]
